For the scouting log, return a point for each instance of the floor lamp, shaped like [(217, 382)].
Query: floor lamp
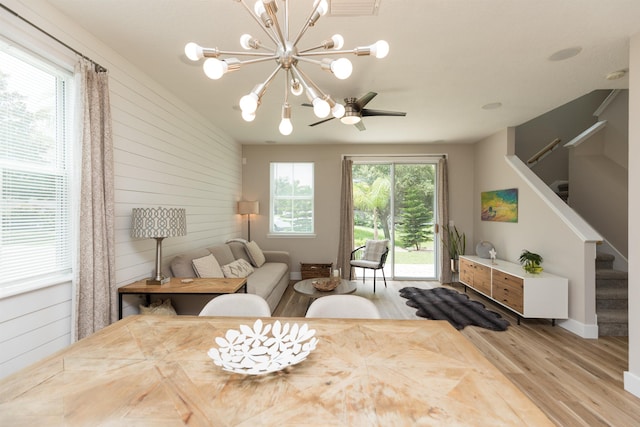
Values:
[(248, 208), (158, 224)]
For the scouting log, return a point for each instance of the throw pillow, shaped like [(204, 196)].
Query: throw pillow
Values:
[(207, 267), (159, 308), (238, 268), (374, 249), (255, 254)]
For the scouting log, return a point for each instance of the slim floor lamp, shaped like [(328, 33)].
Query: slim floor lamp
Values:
[(248, 208), (158, 223)]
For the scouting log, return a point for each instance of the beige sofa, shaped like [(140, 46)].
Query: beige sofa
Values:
[(269, 280)]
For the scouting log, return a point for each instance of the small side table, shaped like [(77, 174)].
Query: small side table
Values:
[(199, 286)]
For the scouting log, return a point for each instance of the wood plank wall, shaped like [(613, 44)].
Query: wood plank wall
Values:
[(166, 154)]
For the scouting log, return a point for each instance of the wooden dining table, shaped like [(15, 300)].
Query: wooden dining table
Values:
[(155, 371)]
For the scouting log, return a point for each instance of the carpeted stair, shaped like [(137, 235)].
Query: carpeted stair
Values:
[(611, 298)]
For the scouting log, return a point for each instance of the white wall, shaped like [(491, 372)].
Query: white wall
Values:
[(539, 228), (632, 376), (165, 155), (327, 158)]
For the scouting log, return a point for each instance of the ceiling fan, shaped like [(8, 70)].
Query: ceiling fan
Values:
[(355, 111)]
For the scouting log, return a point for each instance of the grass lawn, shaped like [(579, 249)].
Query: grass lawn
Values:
[(402, 256)]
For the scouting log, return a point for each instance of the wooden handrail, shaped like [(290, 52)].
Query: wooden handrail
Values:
[(544, 152)]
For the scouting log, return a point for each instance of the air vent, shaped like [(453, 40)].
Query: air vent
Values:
[(354, 7)]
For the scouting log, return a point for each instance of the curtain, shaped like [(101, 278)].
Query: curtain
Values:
[(443, 219), (95, 287), (345, 242)]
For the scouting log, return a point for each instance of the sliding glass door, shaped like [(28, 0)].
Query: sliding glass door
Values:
[(396, 201)]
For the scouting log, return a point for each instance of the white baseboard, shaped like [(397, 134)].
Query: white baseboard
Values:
[(581, 329), (295, 275), (632, 383)]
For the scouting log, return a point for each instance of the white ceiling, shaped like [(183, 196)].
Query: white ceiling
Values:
[(448, 58)]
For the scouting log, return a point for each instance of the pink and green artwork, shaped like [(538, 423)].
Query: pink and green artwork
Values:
[(500, 205)]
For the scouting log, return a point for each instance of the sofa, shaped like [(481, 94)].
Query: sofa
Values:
[(269, 280)]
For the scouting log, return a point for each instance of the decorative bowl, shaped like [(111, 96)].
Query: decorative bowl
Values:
[(263, 349), (326, 285)]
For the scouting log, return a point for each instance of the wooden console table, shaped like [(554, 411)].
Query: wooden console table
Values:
[(177, 286), (543, 295), (154, 370)]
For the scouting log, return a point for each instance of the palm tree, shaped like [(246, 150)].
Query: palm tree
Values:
[(372, 198)]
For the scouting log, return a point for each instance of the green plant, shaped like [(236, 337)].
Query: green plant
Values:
[(530, 262), (456, 242)]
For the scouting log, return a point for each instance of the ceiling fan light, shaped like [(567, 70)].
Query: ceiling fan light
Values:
[(193, 51), (350, 119)]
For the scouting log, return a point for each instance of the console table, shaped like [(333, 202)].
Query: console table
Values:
[(542, 295), (183, 286)]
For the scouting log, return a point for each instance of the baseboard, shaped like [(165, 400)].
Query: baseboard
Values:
[(632, 383), (581, 329), (295, 275)]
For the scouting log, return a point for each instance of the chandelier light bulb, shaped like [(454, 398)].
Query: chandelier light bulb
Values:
[(380, 49), (321, 6), (321, 108), (342, 68), (338, 111), (296, 87), (258, 8), (249, 103), (214, 68), (244, 41), (286, 127), (338, 41), (193, 51), (248, 117)]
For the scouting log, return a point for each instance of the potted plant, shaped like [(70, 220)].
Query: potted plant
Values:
[(530, 262), (455, 244)]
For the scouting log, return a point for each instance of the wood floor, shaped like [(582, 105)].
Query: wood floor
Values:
[(576, 382)]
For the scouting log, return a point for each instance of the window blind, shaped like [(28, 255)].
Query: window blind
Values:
[(35, 205)]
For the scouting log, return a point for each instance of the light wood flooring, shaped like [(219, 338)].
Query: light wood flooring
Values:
[(576, 382)]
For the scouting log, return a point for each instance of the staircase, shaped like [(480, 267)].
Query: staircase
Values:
[(611, 298)]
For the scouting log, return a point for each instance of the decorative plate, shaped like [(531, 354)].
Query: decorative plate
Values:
[(263, 349)]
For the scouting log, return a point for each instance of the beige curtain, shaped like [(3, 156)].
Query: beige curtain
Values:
[(443, 219), (345, 243), (95, 288)]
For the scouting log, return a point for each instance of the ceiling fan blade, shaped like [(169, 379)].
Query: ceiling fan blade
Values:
[(368, 112), (365, 99), (360, 126), (306, 104), (321, 121)]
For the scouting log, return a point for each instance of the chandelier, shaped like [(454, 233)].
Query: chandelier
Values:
[(287, 57)]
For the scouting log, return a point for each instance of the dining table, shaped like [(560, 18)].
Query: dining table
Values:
[(147, 370)]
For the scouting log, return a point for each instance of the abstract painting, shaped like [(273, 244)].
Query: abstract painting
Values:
[(500, 205)]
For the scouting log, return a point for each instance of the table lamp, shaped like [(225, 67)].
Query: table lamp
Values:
[(158, 223), (248, 208)]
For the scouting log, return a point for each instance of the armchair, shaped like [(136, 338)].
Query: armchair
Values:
[(372, 256)]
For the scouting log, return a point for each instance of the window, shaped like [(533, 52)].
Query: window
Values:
[(35, 206), (291, 198)]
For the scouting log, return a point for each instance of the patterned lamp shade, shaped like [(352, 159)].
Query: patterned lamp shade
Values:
[(158, 222)]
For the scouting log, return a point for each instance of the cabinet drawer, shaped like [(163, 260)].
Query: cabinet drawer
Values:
[(505, 279), (509, 296), (466, 271)]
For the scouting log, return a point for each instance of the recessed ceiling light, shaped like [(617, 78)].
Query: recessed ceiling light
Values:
[(563, 54), (492, 106), (615, 75)]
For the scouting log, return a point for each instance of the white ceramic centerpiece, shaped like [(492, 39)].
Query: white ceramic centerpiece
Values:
[(263, 348)]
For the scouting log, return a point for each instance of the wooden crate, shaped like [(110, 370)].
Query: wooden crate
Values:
[(309, 271)]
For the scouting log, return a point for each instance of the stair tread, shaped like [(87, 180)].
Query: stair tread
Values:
[(601, 256), (612, 316), (607, 273), (612, 293)]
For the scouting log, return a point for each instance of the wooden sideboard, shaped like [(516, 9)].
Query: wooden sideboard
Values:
[(542, 295)]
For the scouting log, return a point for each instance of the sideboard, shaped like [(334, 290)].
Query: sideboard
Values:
[(542, 295)]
